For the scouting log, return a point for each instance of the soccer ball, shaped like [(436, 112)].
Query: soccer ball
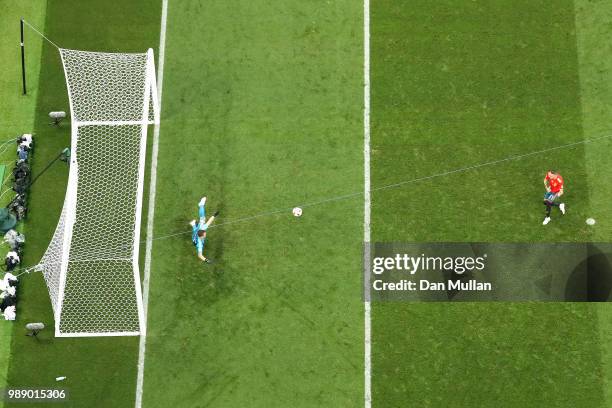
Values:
[(590, 221), (297, 212)]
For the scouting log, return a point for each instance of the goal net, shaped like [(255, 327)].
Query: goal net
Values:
[(91, 265)]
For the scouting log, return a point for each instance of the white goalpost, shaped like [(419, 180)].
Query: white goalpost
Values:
[(91, 265)]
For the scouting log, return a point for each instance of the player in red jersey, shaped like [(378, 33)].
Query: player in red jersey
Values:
[(554, 189)]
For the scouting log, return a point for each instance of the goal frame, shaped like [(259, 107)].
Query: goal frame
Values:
[(150, 100)]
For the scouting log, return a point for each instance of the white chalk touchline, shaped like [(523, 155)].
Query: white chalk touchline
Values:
[(367, 203)]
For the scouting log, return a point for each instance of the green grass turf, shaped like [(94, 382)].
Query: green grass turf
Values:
[(456, 85), (261, 111), (17, 115), (277, 321), (593, 27), (101, 371)]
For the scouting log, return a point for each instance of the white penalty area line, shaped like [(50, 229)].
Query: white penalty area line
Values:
[(151, 210), (367, 332)]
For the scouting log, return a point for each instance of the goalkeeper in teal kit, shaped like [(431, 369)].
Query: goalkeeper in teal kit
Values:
[(198, 232)]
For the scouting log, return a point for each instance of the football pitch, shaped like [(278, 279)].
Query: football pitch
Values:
[(262, 109)]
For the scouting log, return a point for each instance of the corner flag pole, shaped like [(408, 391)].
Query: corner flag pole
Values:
[(23, 72)]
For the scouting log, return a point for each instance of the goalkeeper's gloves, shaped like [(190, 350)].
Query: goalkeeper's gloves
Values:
[(216, 213)]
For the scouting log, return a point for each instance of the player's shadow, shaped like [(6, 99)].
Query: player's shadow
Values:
[(591, 279)]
